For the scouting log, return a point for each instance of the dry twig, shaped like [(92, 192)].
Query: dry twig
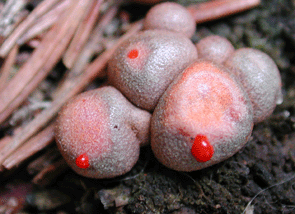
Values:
[(11, 15), (211, 10), (35, 144), (44, 22), (82, 35), (89, 50), (8, 66), (23, 27), (43, 59)]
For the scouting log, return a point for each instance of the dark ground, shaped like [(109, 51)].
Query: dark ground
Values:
[(262, 173)]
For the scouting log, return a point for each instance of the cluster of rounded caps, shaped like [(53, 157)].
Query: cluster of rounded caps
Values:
[(195, 104)]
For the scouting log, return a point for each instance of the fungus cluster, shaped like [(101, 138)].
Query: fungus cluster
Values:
[(195, 104)]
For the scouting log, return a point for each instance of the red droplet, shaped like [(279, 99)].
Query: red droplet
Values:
[(202, 150), (133, 54), (82, 161)]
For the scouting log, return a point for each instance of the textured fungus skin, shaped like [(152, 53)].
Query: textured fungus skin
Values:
[(215, 48), (170, 16), (261, 79), (162, 55), (106, 127), (203, 100)]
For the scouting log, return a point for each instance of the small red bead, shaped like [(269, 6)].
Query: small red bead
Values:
[(202, 150), (133, 54), (82, 161)]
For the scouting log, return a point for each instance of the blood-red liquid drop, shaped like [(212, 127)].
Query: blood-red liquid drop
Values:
[(82, 161), (133, 54), (202, 150)]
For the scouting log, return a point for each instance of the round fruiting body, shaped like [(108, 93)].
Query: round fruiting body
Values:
[(261, 79), (170, 16), (144, 65), (203, 118), (215, 48), (99, 133)]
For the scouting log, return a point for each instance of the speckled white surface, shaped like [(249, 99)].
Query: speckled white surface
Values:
[(162, 55), (170, 16), (260, 77), (215, 48)]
